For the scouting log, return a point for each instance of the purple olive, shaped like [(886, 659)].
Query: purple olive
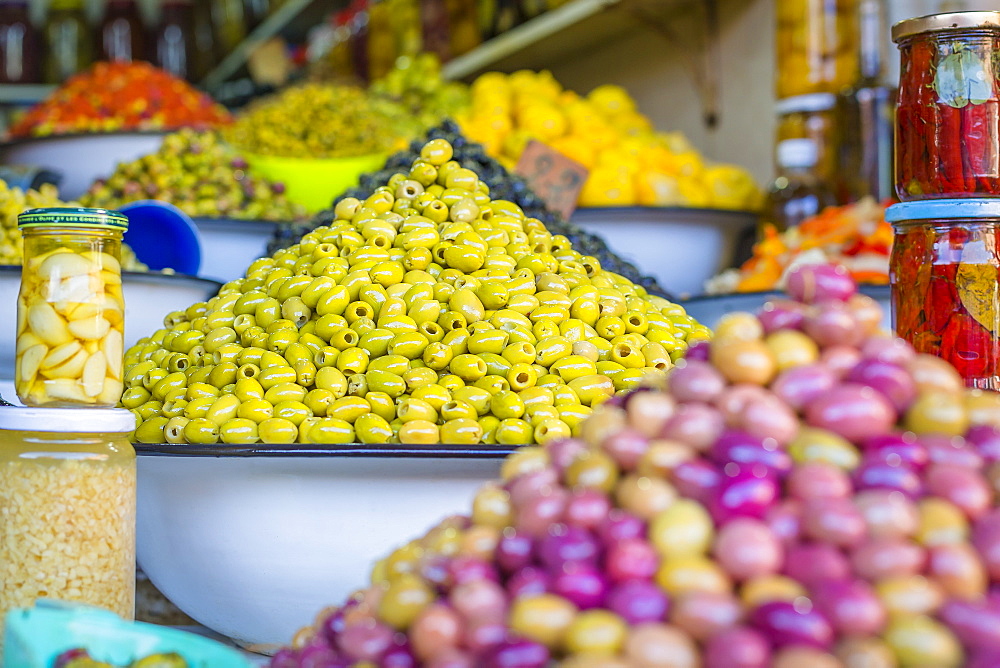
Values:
[(785, 521), (581, 584), (887, 349), (743, 448), (695, 424), (781, 314), (462, 569), (744, 491), (770, 418), (696, 381), (816, 480), (626, 446), (528, 581), (518, 653), (975, 624), (985, 440), (638, 601), (820, 282), (738, 647), (696, 478), (833, 324), (840, 359), (964, 487), (986, 539), (833, 520), (890, 380), (801, 385), (514, 550), (880, 475), (364, 642), (879, 558), (563, 452), (631, 559), (399, 656), (895, 448), (699, 351), (851, 606), (786, 623), (856, 412), (587, 508), (567, 544), (810, 563), (951, 450)]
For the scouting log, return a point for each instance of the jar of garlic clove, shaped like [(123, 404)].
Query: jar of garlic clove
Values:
[(70, 311)]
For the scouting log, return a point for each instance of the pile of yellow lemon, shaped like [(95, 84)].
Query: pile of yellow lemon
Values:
[(630, 162)]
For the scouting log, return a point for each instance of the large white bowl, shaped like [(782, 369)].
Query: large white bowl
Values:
[(148, 297), (253, 542), (81, 158), (680, 247), (229, 246), (709, 309)]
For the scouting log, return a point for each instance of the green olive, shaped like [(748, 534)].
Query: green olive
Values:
[(151, 430), (277, 430), (331, 431), (506, 404), (468, 367), (239, 431), (460, 431), (382, 405), (348, 409), (415, 409), (512, 431), (200, 430), (385, 381), (257, 410)]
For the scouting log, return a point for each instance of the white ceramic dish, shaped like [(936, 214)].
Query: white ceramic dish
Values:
[(680, 247), (709, 309), (229, 246), (80, 158), (148, 297), (253, 542)]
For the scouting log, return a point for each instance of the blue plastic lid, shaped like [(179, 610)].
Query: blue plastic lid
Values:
[(163, 237), (943, 209)]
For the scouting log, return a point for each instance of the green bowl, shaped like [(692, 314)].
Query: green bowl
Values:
[(35, 637), (315, 182)]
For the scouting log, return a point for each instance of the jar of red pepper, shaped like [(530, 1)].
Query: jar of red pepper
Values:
[(948, 110), (944, 276)]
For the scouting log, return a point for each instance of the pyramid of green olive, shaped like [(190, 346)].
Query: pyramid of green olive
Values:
[(427, 313)]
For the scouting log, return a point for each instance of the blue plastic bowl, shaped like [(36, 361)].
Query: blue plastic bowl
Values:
[(34, 638), (163, 236)]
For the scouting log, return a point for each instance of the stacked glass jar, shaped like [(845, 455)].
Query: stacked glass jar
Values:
[(67, 476), (946, 253)]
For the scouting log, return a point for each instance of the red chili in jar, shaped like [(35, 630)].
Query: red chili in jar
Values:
[(943, 270), (948, 109)]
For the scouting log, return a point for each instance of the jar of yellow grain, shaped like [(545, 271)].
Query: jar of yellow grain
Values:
[(67, 508), (70, 311)]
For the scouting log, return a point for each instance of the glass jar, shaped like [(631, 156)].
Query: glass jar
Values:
[(817, 46), (230, 27), (68, 40), (67, 499), (20, 51), (945, 291), (948, 111), (70, 310), (381, 41), (174, 38), (811, 117), (121, 34)]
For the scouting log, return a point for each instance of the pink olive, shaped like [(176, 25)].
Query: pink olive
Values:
[(817, 480), (746, 548), (883, 557), (696, 381), (853, 411)]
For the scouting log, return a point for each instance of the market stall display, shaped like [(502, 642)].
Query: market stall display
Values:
[(855, 236), (630, 162), (114, 97), (202, 176), (735, 519), (415, 83), (502, 185), (429, 313)]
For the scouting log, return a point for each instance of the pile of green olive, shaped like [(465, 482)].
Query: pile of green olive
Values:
[(427, 313)]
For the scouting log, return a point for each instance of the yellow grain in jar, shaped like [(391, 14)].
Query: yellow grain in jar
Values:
[(817, 46), (71, 310), (67, 508)]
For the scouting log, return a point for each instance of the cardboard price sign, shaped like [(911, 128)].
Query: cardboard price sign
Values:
[(555, 178)]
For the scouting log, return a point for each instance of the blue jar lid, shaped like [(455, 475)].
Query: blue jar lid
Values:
[(944, 209)]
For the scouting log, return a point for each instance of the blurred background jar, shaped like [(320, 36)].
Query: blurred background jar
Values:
[(798, 192), (68, 40), (206, 49), (174, 39), (381, 41), (865, 115), (254, 12), (230, 26), (817, 46), (810, 117), (20, 48), (121, 35)]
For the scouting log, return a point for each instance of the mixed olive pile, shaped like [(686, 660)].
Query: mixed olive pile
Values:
[(321, 121), (14, 201), (416, 84), (199, 174), (81, 658), (502, 184), (427, 313), (807, 492)]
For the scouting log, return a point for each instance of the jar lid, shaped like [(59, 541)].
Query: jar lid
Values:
[(942, 22), (67, 420), (943, 209), (73, 217), (805, 103)]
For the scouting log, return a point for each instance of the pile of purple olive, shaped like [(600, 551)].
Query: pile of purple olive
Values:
[(806, 492)]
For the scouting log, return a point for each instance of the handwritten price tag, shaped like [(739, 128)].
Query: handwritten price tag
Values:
[(555, 178)]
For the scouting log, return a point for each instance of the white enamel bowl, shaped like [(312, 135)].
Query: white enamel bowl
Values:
[(80, 158), (680, 247), (253, 542)]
